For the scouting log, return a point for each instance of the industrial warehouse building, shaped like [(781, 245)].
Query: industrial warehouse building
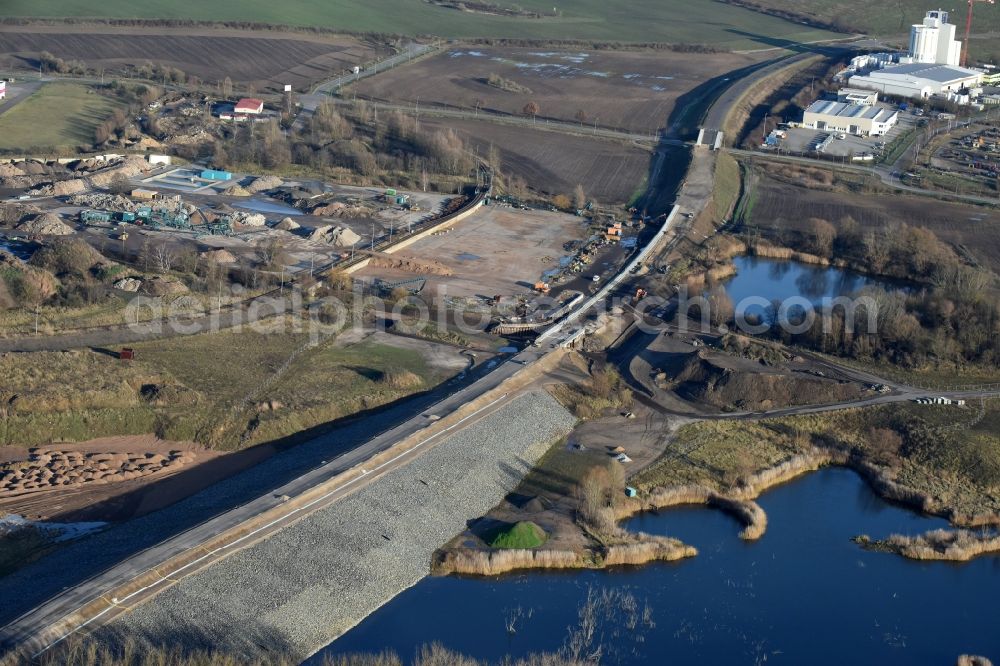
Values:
[(859, 119), (919, 80)]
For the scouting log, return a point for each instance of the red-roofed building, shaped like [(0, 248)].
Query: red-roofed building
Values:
[(249, 105)]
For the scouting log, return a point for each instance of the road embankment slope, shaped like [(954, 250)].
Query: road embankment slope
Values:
[(306, 585)]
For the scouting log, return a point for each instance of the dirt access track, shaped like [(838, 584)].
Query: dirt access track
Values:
[(629, 90), (263, 60)]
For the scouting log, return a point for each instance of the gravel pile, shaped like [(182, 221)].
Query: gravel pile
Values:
[(338, 236), (264, 183), (306, 585), (46, 224), (114, 202), (249, 219)]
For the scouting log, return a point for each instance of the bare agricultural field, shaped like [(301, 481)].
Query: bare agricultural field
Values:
[(973, 230), (630, 90), (260, 60), (611, 172)]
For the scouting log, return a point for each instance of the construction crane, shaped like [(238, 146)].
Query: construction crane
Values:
[(968, 29)]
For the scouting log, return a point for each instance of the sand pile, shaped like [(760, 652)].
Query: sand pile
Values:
[(148, 143), (264, 183), (339, 209), (32, 168), (220, 256), (67, 187), (46, 224), (16, 213), (10, 171), (288, 224), (237, 190), (337, 236), (419, 266), (162, 286), (129, 168)]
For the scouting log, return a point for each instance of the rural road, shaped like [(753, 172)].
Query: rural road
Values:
[(634, 345), (546, 124), (26, 628), (324, 90)]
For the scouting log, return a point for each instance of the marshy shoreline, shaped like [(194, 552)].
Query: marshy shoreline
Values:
[(624, 548)]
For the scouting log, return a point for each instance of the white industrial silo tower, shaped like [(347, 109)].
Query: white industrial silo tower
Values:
[(933, 41)]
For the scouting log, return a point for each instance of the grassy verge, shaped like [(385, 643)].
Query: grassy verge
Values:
[(899, 146), (605, 390), (227, 390), (58, 116), (54, 320), (726, 193)]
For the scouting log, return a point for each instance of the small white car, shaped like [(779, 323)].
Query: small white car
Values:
[(596, 278)]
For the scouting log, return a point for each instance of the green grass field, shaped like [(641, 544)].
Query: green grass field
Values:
[(220, 389), (888, 18), (703, 21), (58, 115), (893, 19)]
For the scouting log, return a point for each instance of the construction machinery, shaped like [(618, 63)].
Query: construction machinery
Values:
[(968, 29), (95, 216), (542, 287)]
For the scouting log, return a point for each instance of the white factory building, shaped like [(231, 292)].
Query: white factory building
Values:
[(919, 80), (863, 119), (933, 41), (931, 67)]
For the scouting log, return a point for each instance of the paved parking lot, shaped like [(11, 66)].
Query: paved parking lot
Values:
[(800, 140)]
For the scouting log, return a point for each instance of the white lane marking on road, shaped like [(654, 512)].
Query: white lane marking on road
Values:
[(364, 475)]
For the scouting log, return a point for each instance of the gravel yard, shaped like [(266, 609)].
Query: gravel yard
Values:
[(308, 584)]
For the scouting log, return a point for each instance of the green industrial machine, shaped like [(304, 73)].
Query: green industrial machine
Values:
[(95, 216)]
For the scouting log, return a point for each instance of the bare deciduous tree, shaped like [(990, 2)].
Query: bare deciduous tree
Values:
[(164, 256)]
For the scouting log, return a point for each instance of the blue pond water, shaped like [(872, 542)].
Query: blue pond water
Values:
[(803, 594), (759, 282)]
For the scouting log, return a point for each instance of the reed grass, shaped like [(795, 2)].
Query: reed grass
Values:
[(943, 544), (494, 563)]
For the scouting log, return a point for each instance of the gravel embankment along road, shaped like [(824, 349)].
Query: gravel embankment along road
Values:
[(309, 583)]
